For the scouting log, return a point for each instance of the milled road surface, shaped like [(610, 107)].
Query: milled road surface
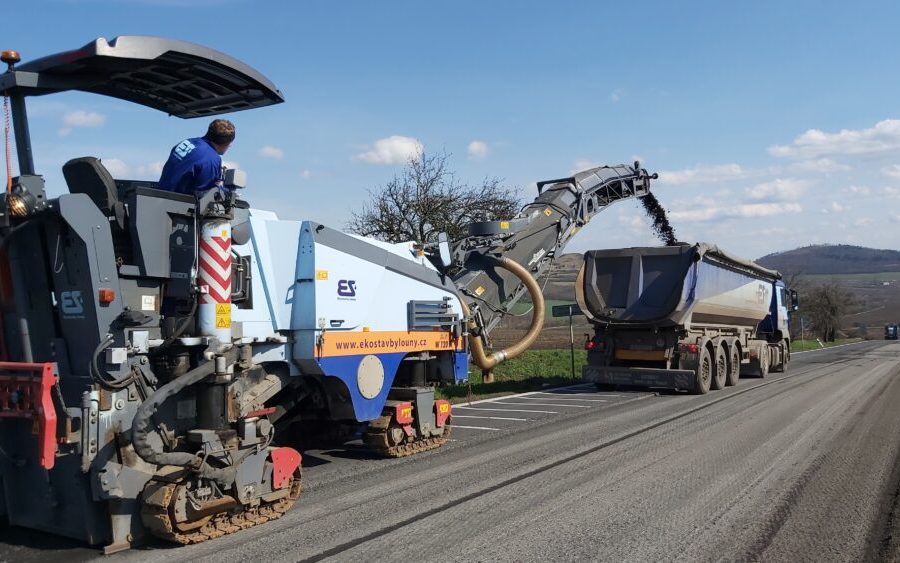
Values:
[(801, 466)]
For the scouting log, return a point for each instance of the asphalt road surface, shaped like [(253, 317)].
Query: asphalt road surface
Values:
[(800, 466)]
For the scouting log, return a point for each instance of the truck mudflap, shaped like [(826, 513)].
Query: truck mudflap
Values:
[(25, 393), (640, 377)]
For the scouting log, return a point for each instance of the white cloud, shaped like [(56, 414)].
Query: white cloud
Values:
[(821, 165), (745, 210), (858, 190), (65, 131), (835, 207), (395, 149), (269, 151), (863, 222), (779, 190), (890, 192), (477, 150), (814, 143), (118, 168), (633, 221), (150, 171), (702, 174), (616, 95), (892, 171), (81, 118), (306, 174)]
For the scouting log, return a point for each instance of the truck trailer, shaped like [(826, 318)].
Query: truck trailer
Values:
[(683, 317)]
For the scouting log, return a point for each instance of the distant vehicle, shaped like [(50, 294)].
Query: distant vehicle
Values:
[(890, 331), (687, 317)]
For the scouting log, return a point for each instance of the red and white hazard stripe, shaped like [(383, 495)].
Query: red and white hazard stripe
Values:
[(215, 269)]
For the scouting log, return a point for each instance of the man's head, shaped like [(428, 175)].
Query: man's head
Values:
[(220, 134)]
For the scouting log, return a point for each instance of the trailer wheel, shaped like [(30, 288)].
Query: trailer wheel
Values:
[(759, 367), (720, 372), (764, 363), (734, 366), (704, 374)]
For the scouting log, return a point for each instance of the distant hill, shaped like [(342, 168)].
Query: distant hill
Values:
[(833, 259)]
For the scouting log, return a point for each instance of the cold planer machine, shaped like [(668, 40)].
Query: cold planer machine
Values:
[(162, 356)]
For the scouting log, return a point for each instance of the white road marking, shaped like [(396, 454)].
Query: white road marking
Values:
[(563, 399), (490, 417), (546, 405), (598, 394), (492, 399), (502, 410), (473, 427)]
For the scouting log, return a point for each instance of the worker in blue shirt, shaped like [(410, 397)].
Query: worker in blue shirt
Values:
[(195, 165)]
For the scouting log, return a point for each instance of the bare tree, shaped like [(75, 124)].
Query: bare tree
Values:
[(426, 199), (824, 305)]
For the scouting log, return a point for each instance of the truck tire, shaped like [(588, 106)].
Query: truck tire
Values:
[(764, 363), (704, 374), (783, 352), (734, 366), (777, 367), (720, 370), (759, 366)]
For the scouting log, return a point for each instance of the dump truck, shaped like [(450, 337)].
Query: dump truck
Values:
[(163, 356), (683, 317)]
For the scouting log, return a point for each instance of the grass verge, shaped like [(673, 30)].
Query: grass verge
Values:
[(532, 371), (804, 345)]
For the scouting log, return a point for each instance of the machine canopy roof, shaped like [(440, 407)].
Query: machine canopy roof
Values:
[(177, 77)]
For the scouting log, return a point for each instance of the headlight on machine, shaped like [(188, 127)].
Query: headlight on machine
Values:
[(20, 202)]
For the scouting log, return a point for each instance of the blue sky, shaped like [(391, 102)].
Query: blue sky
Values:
[(772, 124)]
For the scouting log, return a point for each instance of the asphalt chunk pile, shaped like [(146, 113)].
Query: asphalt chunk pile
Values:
[(657, 214)]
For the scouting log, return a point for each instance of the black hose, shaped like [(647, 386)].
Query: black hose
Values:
[(178, 330), (98, 376), (142, 424)]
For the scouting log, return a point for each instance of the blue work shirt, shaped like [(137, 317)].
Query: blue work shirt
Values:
[(193, 167)]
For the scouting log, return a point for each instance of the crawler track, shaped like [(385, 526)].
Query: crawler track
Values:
[(377, 438), (157, 513)]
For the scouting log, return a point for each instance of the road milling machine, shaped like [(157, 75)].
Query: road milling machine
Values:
[(159, 350)]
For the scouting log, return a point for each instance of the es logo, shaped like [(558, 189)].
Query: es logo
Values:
[(346, 288), (71, 303)]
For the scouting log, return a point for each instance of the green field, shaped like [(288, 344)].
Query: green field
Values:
[(523, 307), (532, 371), (875, 278), (802, 345)]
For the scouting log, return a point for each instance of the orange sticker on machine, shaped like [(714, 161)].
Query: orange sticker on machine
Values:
[(404, 413), (441, 412), (386, 342)]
